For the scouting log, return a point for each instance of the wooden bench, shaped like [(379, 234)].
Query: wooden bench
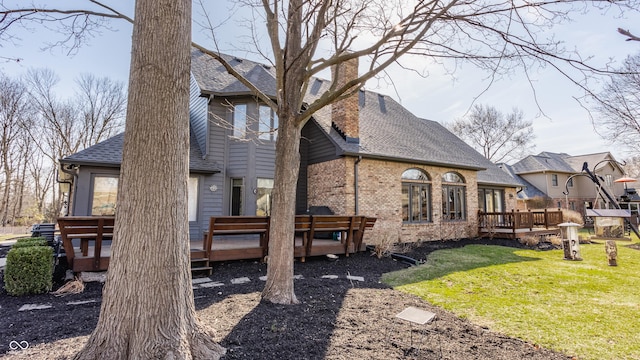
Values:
[(237, 228), (89, 231), (345, 226), (224, 238)]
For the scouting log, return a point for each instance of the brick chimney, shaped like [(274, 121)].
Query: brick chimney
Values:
[(345, 113)]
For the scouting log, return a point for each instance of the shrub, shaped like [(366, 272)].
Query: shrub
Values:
[(29, 270), (572, 216), (529, 240), (27, 242), (386, 243), (555, 240), (583, 239)]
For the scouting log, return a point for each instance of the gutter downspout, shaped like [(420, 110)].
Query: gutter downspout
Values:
[(355, 183)]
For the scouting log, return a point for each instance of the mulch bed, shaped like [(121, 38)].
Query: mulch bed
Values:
[(336, 319)]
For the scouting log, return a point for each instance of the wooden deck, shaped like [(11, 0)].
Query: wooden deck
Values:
[(87, 240), (222, 250), (517, 224)]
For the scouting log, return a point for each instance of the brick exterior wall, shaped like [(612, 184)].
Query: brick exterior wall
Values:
[(331, 184), (345, 113), (380, 195), (511, 199)]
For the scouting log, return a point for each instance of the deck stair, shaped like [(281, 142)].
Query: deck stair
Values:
[(200, 262)]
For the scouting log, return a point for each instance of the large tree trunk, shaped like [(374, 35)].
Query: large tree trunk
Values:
[(147, 308), (279, 286)]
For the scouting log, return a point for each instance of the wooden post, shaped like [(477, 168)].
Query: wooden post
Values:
[(546, 219), (611, 248)]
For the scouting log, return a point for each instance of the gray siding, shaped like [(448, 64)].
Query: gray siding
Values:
[(301, 189), (198, 115), (215, 201), (83, 188), (320, 147), (210, 189), (247, 159)]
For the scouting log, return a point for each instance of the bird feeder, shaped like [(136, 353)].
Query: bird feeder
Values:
[(608, 224), (570, 241)]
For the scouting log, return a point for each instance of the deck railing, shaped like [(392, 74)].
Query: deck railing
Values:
[(516, 219)]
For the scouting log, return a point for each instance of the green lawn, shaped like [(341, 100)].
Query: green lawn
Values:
[(7, 237), (583, 308)]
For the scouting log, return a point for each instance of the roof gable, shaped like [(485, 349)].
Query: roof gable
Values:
[(592, 160)]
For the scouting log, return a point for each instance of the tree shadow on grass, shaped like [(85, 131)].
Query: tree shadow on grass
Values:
[(465, 258)]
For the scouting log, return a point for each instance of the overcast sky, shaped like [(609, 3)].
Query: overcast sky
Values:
[(563, 127)]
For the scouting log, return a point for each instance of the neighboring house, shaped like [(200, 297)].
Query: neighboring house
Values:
[(552, 178), (364, 155)]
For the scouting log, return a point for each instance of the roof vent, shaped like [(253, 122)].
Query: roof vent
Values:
[(237, 59), (315, 87), (383, 105), (267, 67)]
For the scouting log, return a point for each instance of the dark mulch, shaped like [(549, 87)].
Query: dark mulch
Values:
[(336, 318)]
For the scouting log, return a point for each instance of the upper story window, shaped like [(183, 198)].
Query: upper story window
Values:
[(608, 179), (240, 121), (454, 198), (570, 182), (416, 196), (267, 124), (554, 179)]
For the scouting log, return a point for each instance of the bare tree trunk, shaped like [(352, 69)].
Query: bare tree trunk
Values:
[(279, 286), (6, 194), (147, 309), (19, 194)]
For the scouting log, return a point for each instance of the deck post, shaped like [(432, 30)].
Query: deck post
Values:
[(546, 219), (97, 249)]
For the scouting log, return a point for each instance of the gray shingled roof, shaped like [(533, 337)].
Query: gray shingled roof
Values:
[(545, 161), (213, 78), (109, 153), (494, 175), (548, 161), (388, 130), (529, 191)]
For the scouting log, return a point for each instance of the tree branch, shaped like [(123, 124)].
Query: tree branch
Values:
[(630, 36)]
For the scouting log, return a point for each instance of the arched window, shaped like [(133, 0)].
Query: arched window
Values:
[(454, 199), (416, 196)]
